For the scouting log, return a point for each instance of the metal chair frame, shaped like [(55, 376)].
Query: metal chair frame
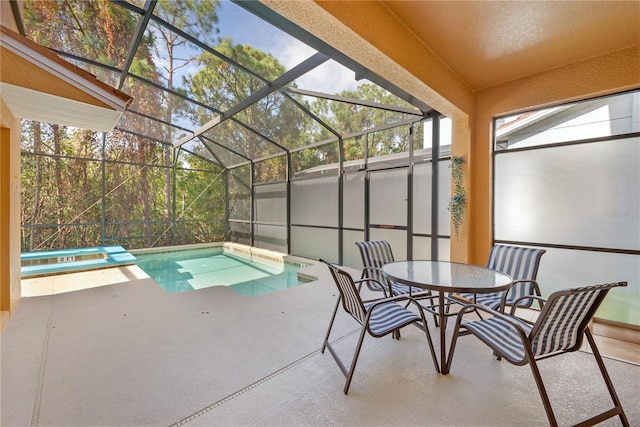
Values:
[(362, 312), (567, 311)]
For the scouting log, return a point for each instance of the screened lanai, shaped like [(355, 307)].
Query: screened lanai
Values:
[(233, 121), (244, 127), (303, 127)]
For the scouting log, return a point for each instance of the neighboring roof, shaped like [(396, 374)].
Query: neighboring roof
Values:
[(38, 85), (526, 120)]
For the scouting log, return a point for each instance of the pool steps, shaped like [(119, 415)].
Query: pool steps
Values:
[(68, 260)]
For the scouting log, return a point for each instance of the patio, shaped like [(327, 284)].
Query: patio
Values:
[(131, 354)]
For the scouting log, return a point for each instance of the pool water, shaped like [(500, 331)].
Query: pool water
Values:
[(187, 270)]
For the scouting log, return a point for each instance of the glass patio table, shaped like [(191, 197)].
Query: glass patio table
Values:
[(446, 277)]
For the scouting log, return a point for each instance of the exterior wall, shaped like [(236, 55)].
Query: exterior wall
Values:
[(9, 213)]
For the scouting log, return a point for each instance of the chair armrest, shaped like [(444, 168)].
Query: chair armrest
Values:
[(459, 298), (365, 275), (396, 298), (536, 290), (370, 268), (540, 299), (366, 279)]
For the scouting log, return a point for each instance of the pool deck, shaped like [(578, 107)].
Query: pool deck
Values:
[(101, 350)]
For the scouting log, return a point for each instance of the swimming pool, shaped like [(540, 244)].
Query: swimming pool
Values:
[(190, 269)]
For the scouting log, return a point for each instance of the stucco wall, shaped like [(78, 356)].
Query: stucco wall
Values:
[(9, 213)]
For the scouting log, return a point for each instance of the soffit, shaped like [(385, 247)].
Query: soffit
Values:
[(37, 85), (486, 43)]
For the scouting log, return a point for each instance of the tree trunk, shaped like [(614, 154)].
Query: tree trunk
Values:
[(35, 214), (60, 195)]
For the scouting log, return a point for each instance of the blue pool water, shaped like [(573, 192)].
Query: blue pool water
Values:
[(186, 270)]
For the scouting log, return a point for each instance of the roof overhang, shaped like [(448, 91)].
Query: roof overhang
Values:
[(36, 84)]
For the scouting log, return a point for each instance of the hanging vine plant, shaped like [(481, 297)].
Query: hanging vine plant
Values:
[(459, 197)]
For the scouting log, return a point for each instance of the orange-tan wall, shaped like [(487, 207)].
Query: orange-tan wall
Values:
[(9, 197), (9, 213)]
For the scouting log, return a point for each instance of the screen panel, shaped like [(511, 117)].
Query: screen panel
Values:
[(581, 195), (388, 197), (563, 268), (350, 252), (315, 201), (353, 200), (271, 237), (270, 201), (396, 238), (314, 243)]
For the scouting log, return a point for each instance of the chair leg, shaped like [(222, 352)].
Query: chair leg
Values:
[(541, 389), (355, 359), (430, 343), (333, 317), (605, 375)]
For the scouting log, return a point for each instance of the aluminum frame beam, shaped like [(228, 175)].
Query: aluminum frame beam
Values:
[(261, 10), (355, 101), (304, 67), (149, 6)]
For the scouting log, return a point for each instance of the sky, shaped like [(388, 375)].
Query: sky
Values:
[(247, 28)]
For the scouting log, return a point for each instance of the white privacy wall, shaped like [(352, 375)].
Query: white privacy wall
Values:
[(315, 213), (579, 199)]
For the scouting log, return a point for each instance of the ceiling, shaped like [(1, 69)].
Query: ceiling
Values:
[(487, 43)]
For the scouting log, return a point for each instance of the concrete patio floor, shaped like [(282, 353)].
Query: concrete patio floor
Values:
[(131, 354)]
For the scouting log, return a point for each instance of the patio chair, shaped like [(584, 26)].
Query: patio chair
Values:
[(378, 318), (375, 254), (521, 264), (558, 329)]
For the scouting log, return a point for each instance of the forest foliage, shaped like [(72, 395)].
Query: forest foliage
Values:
[(130, 186)]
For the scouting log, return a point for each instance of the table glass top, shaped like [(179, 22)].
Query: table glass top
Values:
[(442, 274)]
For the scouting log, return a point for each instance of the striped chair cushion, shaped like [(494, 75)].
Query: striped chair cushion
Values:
[(397, 288), (491, 300), (519, 263), (501, 336), (376, 253), (389, 316), (351, 301), (558, 330)]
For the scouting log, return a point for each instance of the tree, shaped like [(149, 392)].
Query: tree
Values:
[(348, 118), (220, 85), (101, 31), (197, 18)]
